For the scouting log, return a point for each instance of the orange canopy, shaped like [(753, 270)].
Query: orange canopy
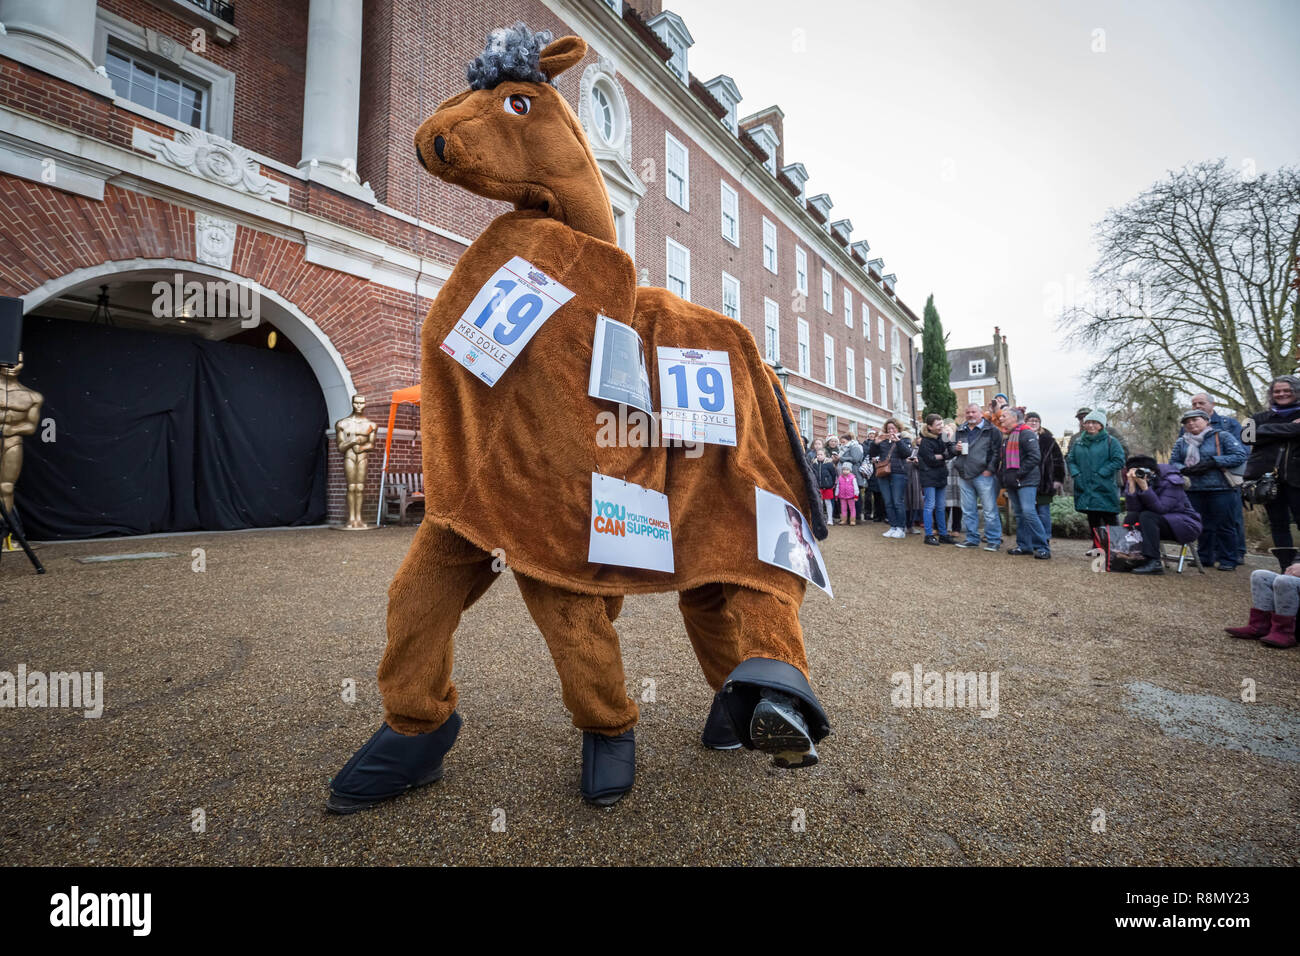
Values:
[(410, 396)]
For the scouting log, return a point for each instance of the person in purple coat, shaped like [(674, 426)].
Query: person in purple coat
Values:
[(1156, 499)]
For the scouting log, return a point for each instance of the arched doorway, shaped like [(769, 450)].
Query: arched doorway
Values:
[(192, 399)]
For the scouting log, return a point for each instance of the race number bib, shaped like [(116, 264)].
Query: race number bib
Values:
[(696, 400), (503, 318), (629, 525)]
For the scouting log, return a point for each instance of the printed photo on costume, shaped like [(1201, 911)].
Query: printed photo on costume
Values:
[(618, 366), (785, 540)]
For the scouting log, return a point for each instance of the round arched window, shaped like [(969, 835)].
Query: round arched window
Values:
[(602, 112)]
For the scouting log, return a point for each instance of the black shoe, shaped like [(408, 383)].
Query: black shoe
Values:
[(608, 767), (947, 539), (1043, 555), (967, 544), (719, 731), (1153, 566), (389, 764), (778, 728), (1018, 551), (932, 539), (1227, 566)]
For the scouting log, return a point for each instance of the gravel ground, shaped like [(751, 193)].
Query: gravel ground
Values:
[(223, 693)]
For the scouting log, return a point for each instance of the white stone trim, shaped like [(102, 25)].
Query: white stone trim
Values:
[(223, 31), (213, 158), (361, 253), (326, 362)]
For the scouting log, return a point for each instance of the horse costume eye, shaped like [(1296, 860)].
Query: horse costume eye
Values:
[(517, 104)]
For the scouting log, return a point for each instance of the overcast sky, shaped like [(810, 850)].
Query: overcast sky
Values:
[(974, 143)]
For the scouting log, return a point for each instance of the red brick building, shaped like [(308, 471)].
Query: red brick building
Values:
[(267, 143)]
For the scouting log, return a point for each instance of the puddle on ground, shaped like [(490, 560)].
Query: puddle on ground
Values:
[(1255, 728)]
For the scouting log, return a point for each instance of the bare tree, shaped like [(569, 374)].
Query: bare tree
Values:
[(1193, 284)]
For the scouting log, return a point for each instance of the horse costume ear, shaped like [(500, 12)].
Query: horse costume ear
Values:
[(562, 54), (453, 100)]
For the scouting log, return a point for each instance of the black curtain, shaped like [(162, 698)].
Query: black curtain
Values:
[(158, 432)]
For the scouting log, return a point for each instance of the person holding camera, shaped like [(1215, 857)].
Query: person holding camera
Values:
[(890, 453), (1156, 497), (1209, 456), (1274, 436)]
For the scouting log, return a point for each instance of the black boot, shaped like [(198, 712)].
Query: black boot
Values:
[(1152, 566), (773, 709), (389, 764), (719, 733), (779, 729), (608, 767), (1285, 557)]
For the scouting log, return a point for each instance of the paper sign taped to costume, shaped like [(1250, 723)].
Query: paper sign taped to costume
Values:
[(784, 539), (696, 399), (629, 525), (503, 318), (618, 369)]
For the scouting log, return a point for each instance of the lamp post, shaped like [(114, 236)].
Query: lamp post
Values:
[(782, 374)]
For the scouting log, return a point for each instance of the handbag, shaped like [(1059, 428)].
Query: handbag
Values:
[(1234, 478), (1122, 546), (883, 468), (1263, 489)]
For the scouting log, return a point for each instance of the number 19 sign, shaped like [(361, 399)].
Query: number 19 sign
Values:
[(696, 400), (504, 316)]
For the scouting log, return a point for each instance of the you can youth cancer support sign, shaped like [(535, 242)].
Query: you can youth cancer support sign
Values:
[(629, 525)]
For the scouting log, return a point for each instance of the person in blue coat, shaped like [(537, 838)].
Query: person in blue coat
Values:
[(1224, 423), (1207, 456)]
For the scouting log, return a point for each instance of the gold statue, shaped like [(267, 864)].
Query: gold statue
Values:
[(355, 436), (20, 413)]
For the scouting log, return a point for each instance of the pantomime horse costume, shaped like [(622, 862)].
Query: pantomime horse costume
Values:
[(511, 136)]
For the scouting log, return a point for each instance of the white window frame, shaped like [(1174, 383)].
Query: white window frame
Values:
[(828, 358), (851, 371), (866, 373), (848, 307), (668, 265), (828, 287), (732, 237), (220, 82), (880, 331), (769, 247), (884, 389), (895, 344), (670, 141), (805, 423), (805, 350), (898, 392), (866, 321), (771, 331), (730, 281), (800, 269), (977, 367), (975, 396), (832, 425)]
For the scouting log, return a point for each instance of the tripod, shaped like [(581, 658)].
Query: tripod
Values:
[(7, 527)]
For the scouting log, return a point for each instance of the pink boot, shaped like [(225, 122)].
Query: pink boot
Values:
[(1282, 633), (1257, 627)]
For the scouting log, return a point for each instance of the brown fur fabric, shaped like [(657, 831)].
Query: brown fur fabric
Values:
[(510, 466)]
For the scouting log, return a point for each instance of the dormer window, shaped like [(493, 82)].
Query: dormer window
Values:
[(670, 28), (977, 368), (767, 140), (723, 89)]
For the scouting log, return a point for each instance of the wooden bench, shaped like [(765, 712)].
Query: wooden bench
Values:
[(401, 491)]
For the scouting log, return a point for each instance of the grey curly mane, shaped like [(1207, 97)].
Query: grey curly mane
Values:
[(511, 53)]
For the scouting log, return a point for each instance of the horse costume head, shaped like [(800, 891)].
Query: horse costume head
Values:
[(512, 136)]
